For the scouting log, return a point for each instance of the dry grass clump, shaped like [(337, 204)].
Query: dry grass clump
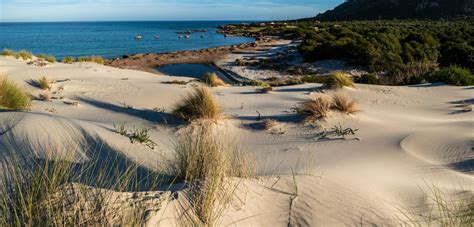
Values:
[(23, 54), (204, 158), (48, 58), (97, 59), (213, 80), (344, 104), (8, 52), (269, 124), (68, 60), (316, 108), (44, 83), (200, 104), (338, 80), (12, 96)]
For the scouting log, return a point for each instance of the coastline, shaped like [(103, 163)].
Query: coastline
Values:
[(149, 61)]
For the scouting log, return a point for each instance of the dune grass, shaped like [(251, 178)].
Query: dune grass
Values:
[(443, 210), (213, 80), (36, 194), (23, 54), (44, 83), (200, 104), (68, 60), (13, 96), (204, 157), (8, 52), (344, 104), (48, 58), (316, 108), (338, 80), (96, 59)]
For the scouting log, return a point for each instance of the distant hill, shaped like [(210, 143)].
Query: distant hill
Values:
[(398, 9)]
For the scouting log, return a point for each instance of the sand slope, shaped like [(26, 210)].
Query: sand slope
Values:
[(409, 137)]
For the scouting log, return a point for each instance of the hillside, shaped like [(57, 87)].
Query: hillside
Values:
[(398, 9)]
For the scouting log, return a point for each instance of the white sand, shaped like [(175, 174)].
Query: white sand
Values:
[(411, 137)]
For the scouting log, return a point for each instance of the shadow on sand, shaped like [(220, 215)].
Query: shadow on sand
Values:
[(145, 114), (88, 159)]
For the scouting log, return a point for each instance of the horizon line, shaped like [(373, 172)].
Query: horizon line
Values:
[(176, 20)]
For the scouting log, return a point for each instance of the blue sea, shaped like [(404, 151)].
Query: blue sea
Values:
[(112, 39)]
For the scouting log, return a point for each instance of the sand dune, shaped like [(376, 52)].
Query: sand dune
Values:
[(407, 137)]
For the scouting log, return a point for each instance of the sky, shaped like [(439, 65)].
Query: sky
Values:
[(126, 10)]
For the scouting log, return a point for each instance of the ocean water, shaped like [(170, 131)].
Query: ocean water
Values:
[(112, 39)]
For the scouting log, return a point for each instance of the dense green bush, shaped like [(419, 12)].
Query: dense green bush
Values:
[(369, 78), (405, 50), (454, 75)]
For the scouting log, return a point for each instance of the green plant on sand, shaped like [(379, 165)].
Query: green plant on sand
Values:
[(12, 96)]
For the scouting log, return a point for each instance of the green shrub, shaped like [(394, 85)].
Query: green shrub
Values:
[(369, 78), (12, 96), (68, 60), (314, 79), (240, 62), (338, 80), (142, 136), (259, 83), (453, 75)]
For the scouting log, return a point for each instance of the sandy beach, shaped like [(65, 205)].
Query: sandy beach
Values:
[(408, 139)]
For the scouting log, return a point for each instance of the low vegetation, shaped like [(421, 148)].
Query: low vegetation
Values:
[(453, 75), (142, 136), (344, 104), (199, 104), (23, 54), (338, 80), (269, 124), (213, 80), (395, 50), (258, 83), (442, 210), (204, 158), (48, 58), (69, 60), (37, 191), (316, 108), (343, 132), (95, 59), (43, 83), (13, 96), (264, 90), (8, 52)]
